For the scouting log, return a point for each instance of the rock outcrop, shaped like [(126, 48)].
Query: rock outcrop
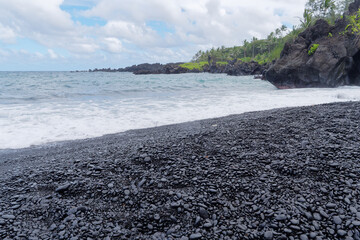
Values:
[(335, 62), (234, 68), (243, 69)]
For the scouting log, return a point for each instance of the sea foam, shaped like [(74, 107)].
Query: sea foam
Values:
[(38, 108)]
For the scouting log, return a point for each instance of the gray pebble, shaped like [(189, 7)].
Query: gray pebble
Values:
[(304, 237), (268, 235), (8, 216), (341, 232), (337, 220), (195, 236)]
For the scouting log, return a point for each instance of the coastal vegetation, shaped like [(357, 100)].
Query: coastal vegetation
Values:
[(313, 49), (354, 23), (267, 50)]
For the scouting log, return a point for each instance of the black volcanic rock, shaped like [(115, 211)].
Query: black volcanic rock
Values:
[(336, 62), (243, 69), (234, 68), (290, 173)]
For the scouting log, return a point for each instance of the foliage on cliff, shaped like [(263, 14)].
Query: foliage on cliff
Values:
[(266, 50), (354, 23)]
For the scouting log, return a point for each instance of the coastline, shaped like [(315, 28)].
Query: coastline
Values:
[(269, 174)]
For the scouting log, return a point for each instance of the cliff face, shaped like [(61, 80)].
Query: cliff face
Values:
[(336, 61)]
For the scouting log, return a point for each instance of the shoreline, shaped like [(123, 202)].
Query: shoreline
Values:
[(258, 175)]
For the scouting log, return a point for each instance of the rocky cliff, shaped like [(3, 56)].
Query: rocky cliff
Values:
[(321, 56), (234, 68)]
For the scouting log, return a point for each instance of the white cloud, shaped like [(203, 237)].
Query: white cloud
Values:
[(194, 25), (52, 54), (113, 45), (137, 34), (7, 35)]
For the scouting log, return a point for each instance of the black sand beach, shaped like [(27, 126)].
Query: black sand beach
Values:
[(290, 173)]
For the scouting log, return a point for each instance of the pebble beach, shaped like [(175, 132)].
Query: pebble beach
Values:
[(290, 173)]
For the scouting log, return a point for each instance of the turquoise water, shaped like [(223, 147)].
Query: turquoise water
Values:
[(43, 107)]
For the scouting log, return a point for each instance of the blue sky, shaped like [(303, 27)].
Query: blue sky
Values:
[(60, 35)]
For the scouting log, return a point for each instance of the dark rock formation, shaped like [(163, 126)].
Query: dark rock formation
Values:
[(242, 69), (170, 68), (336, 62), (234, 68)]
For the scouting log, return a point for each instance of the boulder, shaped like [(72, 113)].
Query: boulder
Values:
[(336, 61)]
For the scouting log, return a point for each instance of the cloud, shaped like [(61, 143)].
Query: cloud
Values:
[(140, 30), (113, 45), (7, 35), (52, 54)]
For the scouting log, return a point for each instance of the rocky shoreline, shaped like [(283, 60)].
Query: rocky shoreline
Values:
[(233, 68), (290, 173), (323, 55)]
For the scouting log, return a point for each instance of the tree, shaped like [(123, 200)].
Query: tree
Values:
[(328, 9), (245, 45), (307, 20), (254, 39)]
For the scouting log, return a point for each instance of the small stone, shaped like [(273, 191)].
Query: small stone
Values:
[(280, 217), (175, 204), (324, 214), (356, 223), (52, 227), (301, 199), (127, 192), (294, 221), (304, 237), (62, 188), (353, 210), (195, 236), (97, 222), (203, 213), (317, 216), (208, 224), (8, 216), (81, 209), (72, 211), (2, 222), (147, 159), (337, 220), (341, 232), (268, 235), (331, 205), (157, 217), (313, 234), (314, 169)]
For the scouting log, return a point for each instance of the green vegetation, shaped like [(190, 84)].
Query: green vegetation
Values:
[(194, 65), (354, 23), (199, 65), (259, 50), (313, 49), (266, 50)]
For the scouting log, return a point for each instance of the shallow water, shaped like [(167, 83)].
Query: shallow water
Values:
[(42, 107)]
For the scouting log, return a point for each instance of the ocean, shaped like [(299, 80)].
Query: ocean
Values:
[(44, 107)]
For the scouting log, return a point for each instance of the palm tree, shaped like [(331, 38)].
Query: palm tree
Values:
[(254, 39), (307, 19), (327, 5), (245, 45)]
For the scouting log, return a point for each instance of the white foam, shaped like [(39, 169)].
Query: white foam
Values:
[(23, 125)]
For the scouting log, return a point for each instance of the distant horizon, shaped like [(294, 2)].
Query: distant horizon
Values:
[(70, 35)]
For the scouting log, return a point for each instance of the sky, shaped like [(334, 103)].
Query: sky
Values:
[(60, 35)]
